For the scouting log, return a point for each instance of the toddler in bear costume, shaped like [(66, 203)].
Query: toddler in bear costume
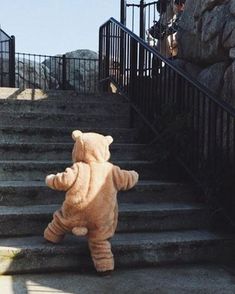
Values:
[(90, 207)]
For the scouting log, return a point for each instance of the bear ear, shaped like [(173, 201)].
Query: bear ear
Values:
[(76, 134), (109, 139)]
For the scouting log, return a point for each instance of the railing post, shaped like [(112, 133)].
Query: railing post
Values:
[(122, 49), (142, 19), (104, 56), (100, 54), (133, 76), (123, 12), (64, 73), (142, 35), (107, 51), (12, 62)]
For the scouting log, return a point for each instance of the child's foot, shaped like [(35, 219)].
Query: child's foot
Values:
[(105, 273)]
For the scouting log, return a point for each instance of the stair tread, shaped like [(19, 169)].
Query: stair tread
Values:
[(142, 183), (28, 94), (17, 113), (50, 133), (69, 162), (66, 144), (58, 102), (123, 239), (61, 128), (123, 208)]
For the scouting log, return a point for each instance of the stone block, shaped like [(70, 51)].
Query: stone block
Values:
[(232, 53), (212, 76)]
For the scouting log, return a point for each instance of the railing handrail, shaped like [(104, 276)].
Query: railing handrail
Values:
[(4, 41), (138, 5), (2, 31), (55, 56), (199, 86)]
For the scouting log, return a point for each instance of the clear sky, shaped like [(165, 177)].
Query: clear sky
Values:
[(56, 26)]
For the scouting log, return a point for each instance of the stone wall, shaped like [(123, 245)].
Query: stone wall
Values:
[(206, 41)]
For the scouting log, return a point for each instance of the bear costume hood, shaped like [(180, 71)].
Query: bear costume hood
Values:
[(90, 147)]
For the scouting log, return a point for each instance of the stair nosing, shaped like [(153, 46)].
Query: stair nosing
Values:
[(167, 207), (125, 239), (141, 183)]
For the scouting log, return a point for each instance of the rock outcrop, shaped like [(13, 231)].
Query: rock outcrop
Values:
[(206, 39)]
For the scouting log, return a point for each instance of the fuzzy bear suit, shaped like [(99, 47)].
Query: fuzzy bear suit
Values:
[(90, 207)]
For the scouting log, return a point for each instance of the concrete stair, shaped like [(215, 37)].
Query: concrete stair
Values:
[(157, 217), (27, 134), (53, 151), (60, 119), (19, 170), (22, 193), (48, 106), (161, 221), (33, 254)]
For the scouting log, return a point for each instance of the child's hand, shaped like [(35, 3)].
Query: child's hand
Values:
[(49, 180), (135, 176)]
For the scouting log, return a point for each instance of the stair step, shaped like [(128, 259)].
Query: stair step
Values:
[(32, 220), (73, 106), (63, 134), (19, 193), (77, 97), (202, 278), (63, 151), (33, 254), (23, 170), (61, 119), (56, 95)]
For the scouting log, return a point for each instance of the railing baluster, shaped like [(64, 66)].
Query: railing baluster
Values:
[(228, 137), (196, 94), (79, 86), (233, 147), (213, 134), (74, 73), (133, 74), (128, 64), (17, 70), (85, 77)]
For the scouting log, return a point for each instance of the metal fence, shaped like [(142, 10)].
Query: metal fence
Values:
[(152, 21), (139, 15), (197, 128), (7, 56), (56, 72)]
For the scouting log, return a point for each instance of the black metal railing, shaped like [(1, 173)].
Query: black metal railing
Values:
[(197, 128), (7, 59), (153, 21), (139, 15), (56, 72)]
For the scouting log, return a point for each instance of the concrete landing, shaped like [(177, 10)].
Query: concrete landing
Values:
[(193, 279)]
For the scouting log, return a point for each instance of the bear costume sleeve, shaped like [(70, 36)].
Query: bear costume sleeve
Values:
[(124, 179), (63, 181)]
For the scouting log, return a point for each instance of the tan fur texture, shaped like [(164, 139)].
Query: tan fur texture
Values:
[(90, 207)]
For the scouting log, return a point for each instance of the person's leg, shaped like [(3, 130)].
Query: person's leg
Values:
[(55, 230), (102, 255)]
